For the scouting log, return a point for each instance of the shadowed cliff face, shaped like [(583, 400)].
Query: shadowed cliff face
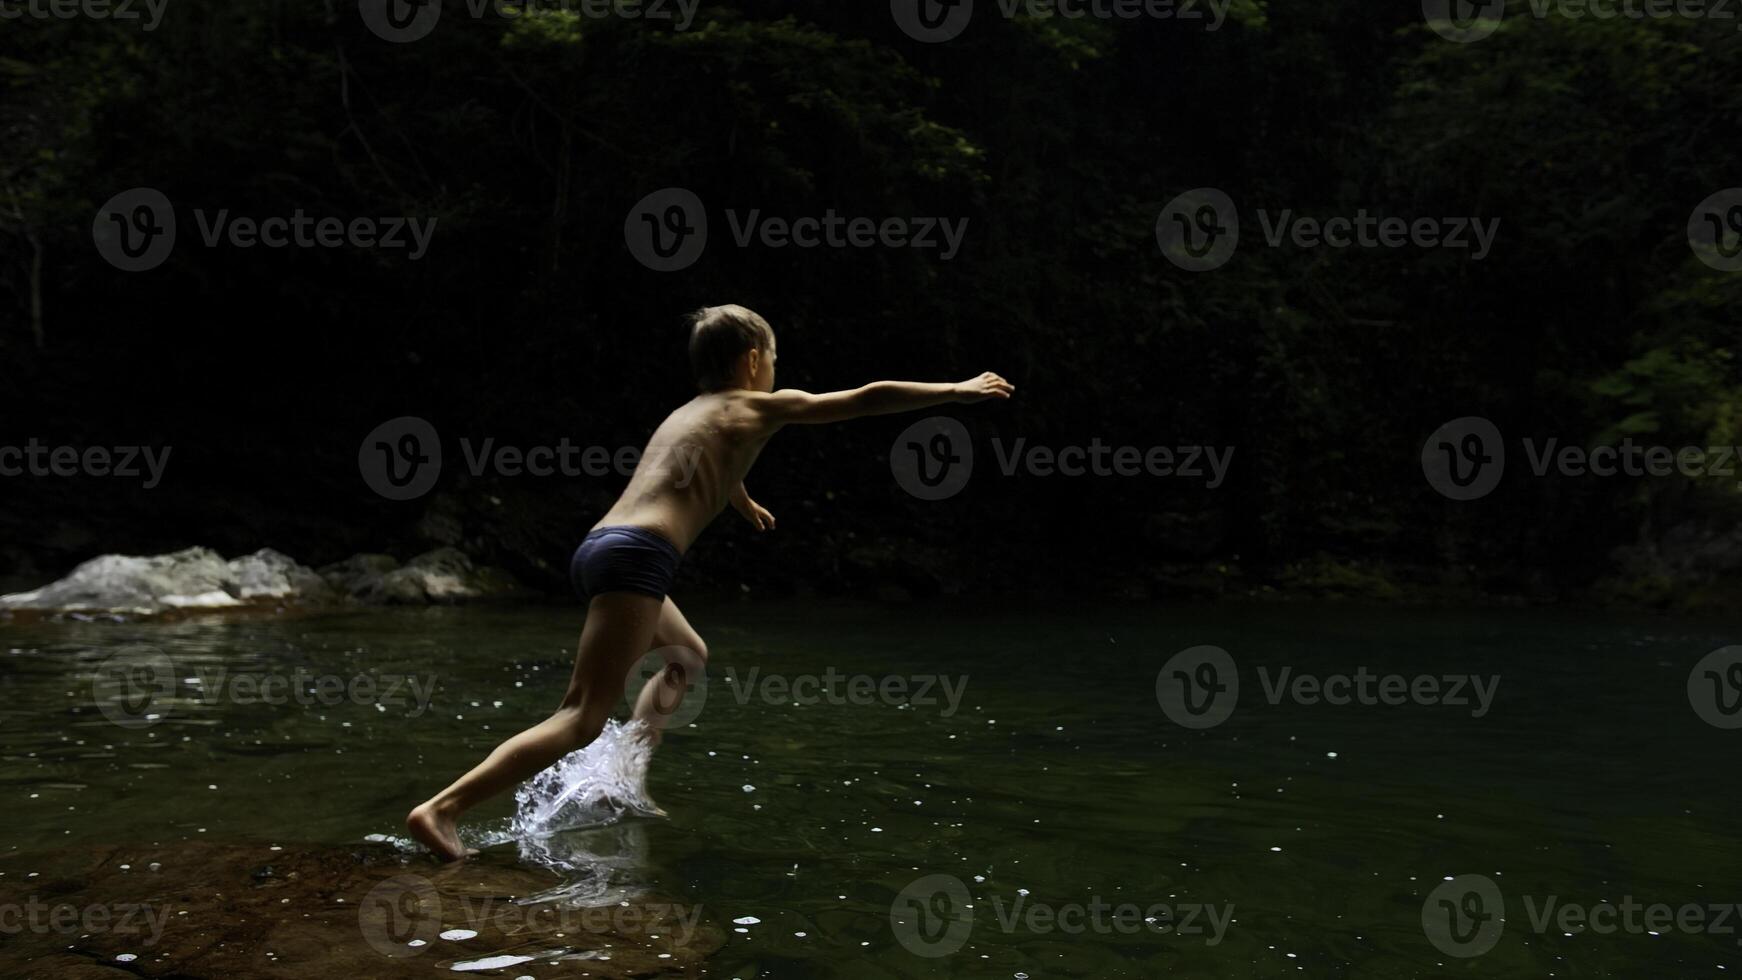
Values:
[(240, 911)]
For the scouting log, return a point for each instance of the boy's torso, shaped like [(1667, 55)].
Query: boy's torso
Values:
[(691, 465)]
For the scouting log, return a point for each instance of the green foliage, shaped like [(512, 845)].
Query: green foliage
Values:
[(1059, 140)]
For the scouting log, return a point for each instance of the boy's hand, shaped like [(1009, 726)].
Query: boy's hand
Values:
[(757, 515), (986, 386)]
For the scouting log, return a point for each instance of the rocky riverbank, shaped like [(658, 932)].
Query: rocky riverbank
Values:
[(201, 580)]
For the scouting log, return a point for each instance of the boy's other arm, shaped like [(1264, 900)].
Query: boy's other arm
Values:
[(751, 511), (877, 398)]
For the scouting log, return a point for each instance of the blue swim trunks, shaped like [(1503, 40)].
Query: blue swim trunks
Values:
[(622, 558)]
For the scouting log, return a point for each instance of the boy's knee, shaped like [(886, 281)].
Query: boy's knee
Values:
[(691, 656)]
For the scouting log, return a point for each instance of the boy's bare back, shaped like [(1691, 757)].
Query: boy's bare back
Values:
[(691, 465)]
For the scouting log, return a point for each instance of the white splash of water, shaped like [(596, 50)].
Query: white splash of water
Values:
[(588, 790), (590, 787)]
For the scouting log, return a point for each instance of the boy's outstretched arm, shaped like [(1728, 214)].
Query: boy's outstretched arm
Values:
[(877, 398)]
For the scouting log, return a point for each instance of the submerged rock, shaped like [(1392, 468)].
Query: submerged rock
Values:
[(200, 910), (199, 579)]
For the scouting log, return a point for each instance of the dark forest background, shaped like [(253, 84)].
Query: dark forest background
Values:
[(531, 137)]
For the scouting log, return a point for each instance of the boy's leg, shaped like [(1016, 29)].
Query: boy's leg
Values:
[(620, 627), (686, 658)]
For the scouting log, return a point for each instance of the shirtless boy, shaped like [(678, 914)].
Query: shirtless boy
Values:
[(693, 466)]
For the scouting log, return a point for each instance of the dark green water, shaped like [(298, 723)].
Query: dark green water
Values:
[(1058, 781)]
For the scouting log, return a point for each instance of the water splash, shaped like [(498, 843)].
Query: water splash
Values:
[(590, 787), (564, 816)]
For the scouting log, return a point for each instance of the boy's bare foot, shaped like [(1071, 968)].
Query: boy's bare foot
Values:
[(436, 830)]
